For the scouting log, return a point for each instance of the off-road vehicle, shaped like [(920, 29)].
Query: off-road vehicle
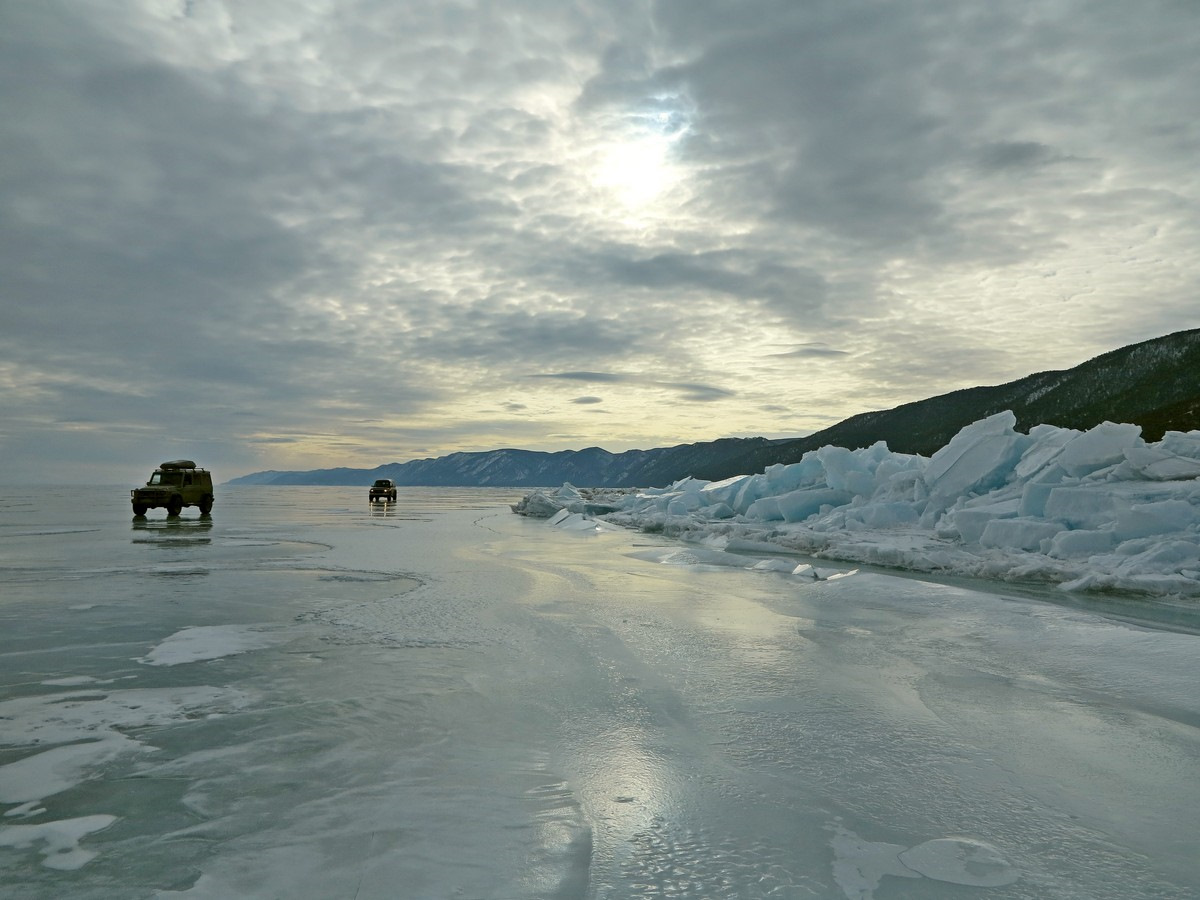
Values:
[(173, 486), (383, 489)]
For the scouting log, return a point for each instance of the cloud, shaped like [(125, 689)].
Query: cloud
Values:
[(334, 233), (608, 377), (811, 350), (1016, 155), (696, 393)]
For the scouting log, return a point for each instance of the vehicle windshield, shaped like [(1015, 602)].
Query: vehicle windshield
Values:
[(166, 478), (383, 482)]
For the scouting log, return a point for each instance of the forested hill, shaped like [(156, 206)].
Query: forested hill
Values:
[(1155, 384)]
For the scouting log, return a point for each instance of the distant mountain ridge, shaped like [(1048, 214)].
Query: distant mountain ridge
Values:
[(1154, 384), (592, 467)]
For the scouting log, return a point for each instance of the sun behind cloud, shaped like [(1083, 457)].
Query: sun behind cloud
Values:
[(637, 166), (637, 172)]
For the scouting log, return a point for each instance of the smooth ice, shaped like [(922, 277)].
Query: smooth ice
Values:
[(307, 697)]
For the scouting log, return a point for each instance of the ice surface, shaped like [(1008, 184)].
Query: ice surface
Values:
[(1055, 505), (471, 704)]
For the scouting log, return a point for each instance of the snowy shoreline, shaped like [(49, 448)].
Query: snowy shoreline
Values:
[(1100, 510)]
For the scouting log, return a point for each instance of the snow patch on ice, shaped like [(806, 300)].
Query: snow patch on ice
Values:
[(36, 777), (60, 839), (66, 718), (961, 861), (84, 732), (205, 642), (860, 865)]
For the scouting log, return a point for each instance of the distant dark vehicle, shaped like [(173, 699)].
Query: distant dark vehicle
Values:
[(383, 489), (173, 486)]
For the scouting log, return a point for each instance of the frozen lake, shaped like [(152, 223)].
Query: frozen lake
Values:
[(304, 697)]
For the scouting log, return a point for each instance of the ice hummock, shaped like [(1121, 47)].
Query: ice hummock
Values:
[(1100, 509)]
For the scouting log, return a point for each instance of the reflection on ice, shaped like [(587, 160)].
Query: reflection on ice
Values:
[(173, 529)]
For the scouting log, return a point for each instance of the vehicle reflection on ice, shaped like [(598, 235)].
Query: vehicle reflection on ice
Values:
[(174, 531)]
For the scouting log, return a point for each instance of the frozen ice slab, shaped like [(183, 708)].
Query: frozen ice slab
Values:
[(992, 503)]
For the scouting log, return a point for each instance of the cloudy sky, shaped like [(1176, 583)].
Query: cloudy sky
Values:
[(290, 234)]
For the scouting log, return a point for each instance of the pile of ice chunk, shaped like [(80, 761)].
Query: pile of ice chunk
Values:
[(1095, 510)]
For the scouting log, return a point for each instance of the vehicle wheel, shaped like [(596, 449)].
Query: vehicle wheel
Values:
[(174, 506), (139, 509), (206, 505)]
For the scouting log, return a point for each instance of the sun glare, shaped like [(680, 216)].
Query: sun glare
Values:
[(638, 171), (637, 168)]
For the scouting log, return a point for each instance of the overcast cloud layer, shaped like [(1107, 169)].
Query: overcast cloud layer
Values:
[(349, 232)]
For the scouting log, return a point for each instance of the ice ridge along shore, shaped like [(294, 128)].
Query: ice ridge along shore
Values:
[(1094, 510)]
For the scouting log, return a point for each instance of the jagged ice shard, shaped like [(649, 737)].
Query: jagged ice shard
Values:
[(1094, 510)]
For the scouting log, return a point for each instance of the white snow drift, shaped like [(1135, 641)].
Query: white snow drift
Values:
[(1095, 510)]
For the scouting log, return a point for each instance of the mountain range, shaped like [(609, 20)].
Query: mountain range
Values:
[(1154, 384)]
